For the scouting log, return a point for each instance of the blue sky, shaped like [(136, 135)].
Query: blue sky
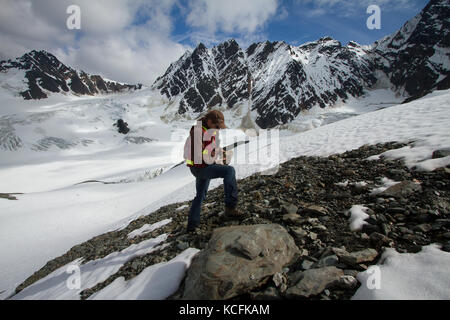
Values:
[(136, 40), (297, 22), (338, 23)]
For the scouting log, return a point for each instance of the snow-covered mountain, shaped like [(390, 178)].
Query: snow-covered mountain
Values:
[(279, 80), (38, 73), (417, 57)]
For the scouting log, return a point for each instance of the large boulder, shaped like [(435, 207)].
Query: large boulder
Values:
[(238, 259)]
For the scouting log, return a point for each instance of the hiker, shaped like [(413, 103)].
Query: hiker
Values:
[(123, 126), (201, 157)]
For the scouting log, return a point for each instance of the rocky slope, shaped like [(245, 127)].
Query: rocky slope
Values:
[(280, 80), (310, 198), (44, 73)]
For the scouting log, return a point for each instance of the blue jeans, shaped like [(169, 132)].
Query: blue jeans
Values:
[(203, 177)]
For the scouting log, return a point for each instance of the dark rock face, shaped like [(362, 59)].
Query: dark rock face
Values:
[(45, 73), (278, 91), (122, 126), (416, 53), (232, 72), (280, 80), (317, 73)]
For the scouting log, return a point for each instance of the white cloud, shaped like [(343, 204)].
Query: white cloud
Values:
[(21, 29), (231, 16), (99, 16), (283, 13), (215, 21), (125, 57), (124, 40), (316, 12)]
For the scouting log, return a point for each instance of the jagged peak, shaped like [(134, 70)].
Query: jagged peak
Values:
[(44, 52), (33, 54), (230, 41), (39, 53), (276, 43), (185, 55), (352, 43), (38, 57), (324, 39), (200, 51), (45, 74), (329, 41), (227, 48), (435, 12), (200, 47), (322, 42)]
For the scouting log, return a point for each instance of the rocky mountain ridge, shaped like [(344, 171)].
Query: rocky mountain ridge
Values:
[(279, 80), (44, 73)]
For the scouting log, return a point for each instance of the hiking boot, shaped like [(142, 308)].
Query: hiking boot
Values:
[(234, 212), (191, 229)]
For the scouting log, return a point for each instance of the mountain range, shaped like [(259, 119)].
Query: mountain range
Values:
[(275, 79), (279, 80), (44, 73)]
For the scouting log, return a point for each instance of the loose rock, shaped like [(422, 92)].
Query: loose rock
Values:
[(356, 257), (402, 189), (314, 281)]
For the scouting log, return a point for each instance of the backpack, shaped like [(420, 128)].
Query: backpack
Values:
[(189, 148)]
